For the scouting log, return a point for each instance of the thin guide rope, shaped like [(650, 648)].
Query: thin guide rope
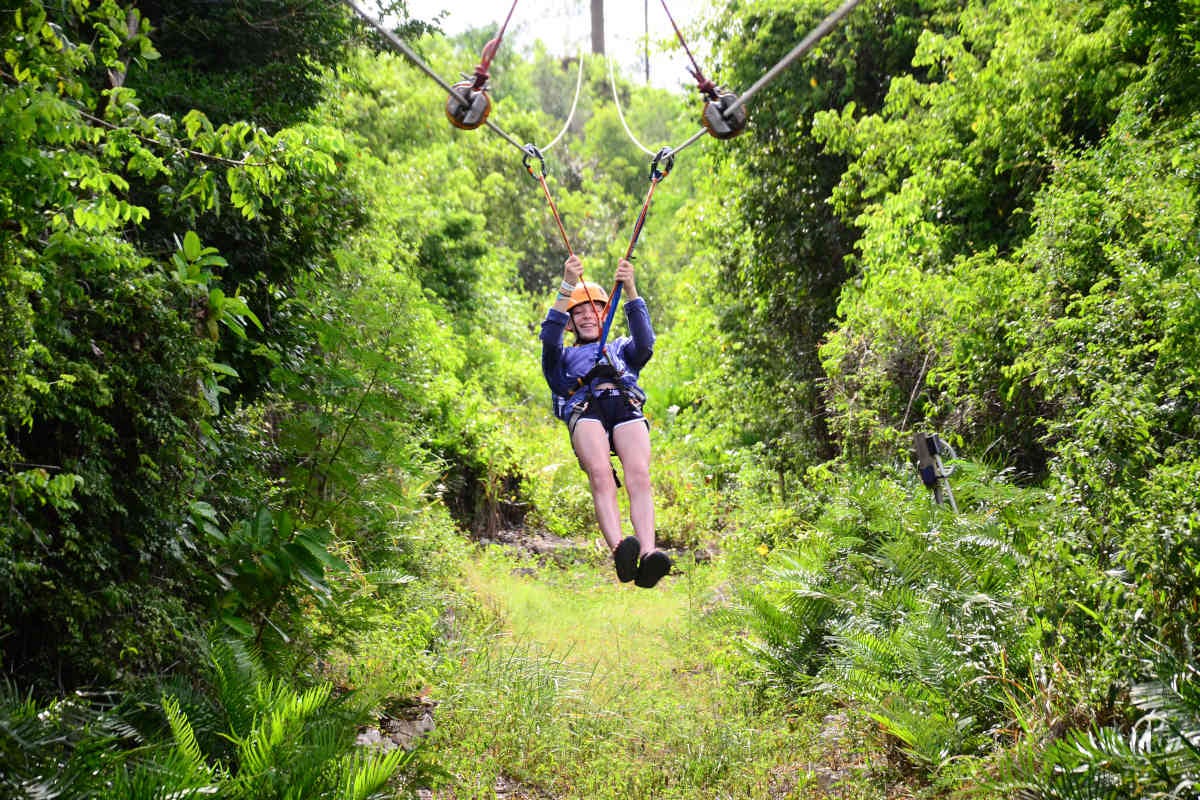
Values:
[(575, 102), (620, 114)]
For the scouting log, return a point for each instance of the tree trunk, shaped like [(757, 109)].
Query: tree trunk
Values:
[(646, 35), (598, 27)]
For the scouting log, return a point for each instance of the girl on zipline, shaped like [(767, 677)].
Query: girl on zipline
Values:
[(597, 395)]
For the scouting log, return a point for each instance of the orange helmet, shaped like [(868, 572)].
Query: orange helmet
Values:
[(586, 291)]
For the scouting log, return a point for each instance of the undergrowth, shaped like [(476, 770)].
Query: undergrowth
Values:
[(574, 686)]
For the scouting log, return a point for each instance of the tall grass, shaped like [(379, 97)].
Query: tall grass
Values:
[(575, 686)]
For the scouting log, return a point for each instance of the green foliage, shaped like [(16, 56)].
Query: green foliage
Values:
[(784, 248), (251, 60), (1157, 758), (1028, 244), (267, 562), (52, 749), (1161, 550), (115, 374), (257, 738), (913, 614), (265, 378), (999, 98)]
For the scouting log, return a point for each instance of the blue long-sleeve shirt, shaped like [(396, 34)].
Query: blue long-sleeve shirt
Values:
[(564, 366)]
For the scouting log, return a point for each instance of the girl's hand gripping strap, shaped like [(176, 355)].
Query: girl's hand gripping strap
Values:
[(666, 158)]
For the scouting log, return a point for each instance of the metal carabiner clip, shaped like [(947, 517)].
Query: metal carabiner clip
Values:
[(666, 157), (531, 152)]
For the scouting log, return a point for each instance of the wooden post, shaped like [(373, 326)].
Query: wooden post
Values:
[(598, 27)]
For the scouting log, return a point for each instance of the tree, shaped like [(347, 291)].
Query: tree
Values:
[(783, 284), (115, 327)]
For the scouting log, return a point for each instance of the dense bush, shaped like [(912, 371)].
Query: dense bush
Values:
[(118, 370), (259, 372), (1026, 284)]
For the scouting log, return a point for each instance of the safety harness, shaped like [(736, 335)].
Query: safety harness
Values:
[(602, 370)]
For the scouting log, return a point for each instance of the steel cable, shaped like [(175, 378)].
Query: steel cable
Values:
[(396, 42)]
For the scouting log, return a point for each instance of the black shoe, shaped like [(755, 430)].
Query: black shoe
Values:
[(625, 557), (652, 569)]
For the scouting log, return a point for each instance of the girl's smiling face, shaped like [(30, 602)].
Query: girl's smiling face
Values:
[(585, 319)]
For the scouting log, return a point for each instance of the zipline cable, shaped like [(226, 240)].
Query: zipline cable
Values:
[(399, 45), (496, 129), (817, 34), (690, 140)]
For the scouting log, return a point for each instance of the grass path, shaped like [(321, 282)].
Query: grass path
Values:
[(576, 686)]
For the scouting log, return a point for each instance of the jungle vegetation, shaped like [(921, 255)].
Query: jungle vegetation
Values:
[(268, 367)]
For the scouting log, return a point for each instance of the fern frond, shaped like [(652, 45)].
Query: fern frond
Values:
[(929, 736), (364, 774), (53, 749), (187, 749), (237, 677), (861, 648)]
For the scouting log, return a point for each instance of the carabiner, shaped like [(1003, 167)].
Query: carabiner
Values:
[(531, 151), (665, 156)]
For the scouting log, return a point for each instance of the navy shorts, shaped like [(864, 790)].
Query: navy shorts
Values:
[(612, 408)]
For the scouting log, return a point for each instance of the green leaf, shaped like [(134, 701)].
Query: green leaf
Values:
[(224, 369), (237, 625), (263, 526), (319, 551), (191, 246)]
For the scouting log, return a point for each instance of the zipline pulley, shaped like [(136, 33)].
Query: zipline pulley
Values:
[(469, 104), (468, 107), (718, 120)]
